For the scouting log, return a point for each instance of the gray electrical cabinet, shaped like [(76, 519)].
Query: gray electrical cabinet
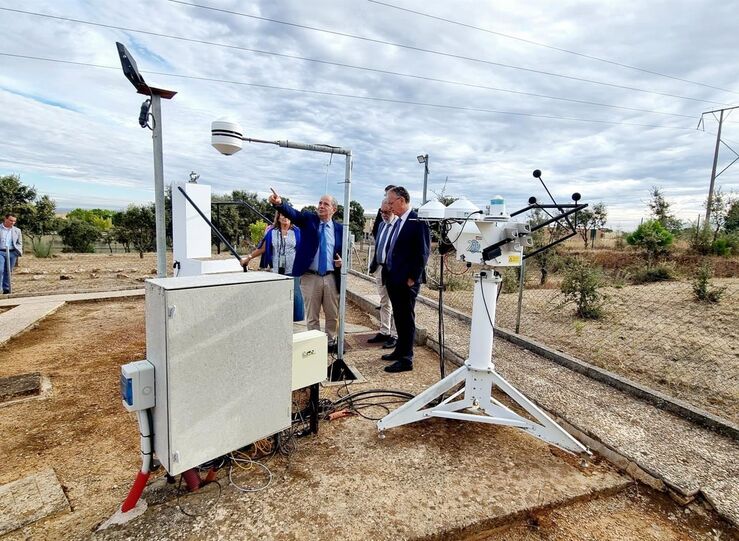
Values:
[(221, 346)]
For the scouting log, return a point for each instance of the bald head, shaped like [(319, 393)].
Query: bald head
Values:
[(327, 207)]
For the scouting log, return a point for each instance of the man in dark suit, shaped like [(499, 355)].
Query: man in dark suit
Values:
[(404, 272), (317, 260)]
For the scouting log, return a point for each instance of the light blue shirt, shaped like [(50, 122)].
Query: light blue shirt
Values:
[(7, 235), (383, 235), (330, 243)]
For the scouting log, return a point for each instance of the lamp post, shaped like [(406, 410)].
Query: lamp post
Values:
[(424, 159), (227, 138), (151, 107)]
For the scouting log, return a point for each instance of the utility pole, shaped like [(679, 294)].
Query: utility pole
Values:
[(719, 142)]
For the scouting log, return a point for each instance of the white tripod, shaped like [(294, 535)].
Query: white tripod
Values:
[(478, 372)]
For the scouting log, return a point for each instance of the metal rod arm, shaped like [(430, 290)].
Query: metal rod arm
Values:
[(553, 243)]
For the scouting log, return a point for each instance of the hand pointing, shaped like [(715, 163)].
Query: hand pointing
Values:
[(275, 198)]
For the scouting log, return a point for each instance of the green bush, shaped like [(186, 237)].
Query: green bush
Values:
[(580, 286), (699, 240), (41, 248), (79, 236), (653, 238), (702, 287), (511, 277), (722, 246), (658, 273)]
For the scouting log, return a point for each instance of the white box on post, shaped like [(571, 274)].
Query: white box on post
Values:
[(221, 345)]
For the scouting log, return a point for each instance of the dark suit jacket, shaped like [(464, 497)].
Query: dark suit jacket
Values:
[(410, 253), (308, 222), (376, 225)]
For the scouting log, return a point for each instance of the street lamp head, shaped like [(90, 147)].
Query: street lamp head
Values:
[(130, 69), (421, 158), (226, 136)]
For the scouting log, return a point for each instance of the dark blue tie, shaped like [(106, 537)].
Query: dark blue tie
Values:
[(322, 259), (391, 246), (382, 242)]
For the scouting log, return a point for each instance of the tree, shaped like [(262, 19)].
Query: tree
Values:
[(79, 236), (580, 286), (653, 238), (356, 218), (660, 209), (138, 225), (731, 224), (721, 206), (15, 196), (40, 219), (591, 219)]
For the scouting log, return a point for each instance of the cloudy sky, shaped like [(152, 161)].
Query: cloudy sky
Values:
[(603, 97)]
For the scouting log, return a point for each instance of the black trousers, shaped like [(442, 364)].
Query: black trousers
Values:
[(403, 299)]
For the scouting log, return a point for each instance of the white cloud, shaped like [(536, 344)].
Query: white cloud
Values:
[(73, 131)]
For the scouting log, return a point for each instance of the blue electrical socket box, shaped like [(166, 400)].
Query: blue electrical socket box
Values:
[(137, 385)]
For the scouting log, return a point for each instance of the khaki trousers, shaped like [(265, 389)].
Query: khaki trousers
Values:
[(387, 322), (320, 291)]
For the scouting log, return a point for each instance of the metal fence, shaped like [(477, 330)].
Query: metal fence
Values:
[(658, 334)]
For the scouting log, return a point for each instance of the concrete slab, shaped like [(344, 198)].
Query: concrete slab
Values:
[(73, 297), (29, 499), (22, 317), (19, 386)]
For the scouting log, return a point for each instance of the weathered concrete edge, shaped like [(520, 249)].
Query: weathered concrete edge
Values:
[(656, 398), (31, 325)]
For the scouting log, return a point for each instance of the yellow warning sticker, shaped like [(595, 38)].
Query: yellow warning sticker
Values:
[(514, 259)]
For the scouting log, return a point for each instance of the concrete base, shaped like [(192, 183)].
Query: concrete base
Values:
[(29, 499), (119, 517)]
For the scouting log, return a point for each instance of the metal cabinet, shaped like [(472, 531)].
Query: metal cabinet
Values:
[(221, 346)]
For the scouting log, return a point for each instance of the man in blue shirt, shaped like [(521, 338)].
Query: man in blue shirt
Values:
[(317, 261), (11, 248)]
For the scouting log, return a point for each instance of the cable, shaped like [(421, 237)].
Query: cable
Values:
[(430, 51), (366, 98), (485, 304), (538, 44), (238, 461)]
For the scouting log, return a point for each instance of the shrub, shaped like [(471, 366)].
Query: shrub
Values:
[(658, 273), (79, 236), (511, 277), (721, 246), (41, 248), (653, 238), (702, 287), (257, 231), (580, 286), (700, 240)]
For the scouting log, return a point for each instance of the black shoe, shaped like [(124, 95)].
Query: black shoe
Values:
[(390, 357), (399, 366), (378, 338), (6, 292), (391, 342)]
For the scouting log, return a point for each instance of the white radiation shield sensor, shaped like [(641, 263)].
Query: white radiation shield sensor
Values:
[(226, 136)]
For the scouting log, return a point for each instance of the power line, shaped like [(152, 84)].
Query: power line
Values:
[(355, 96), (560, 49), (439, 53), (364, 68)]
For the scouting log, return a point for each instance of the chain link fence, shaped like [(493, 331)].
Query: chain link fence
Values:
[(657, 334)]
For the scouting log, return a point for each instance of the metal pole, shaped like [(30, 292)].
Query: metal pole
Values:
[(521, 281), (7, 263), (425, 176), (709, 202), (218, 221), (344, 252), (156, 136)]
